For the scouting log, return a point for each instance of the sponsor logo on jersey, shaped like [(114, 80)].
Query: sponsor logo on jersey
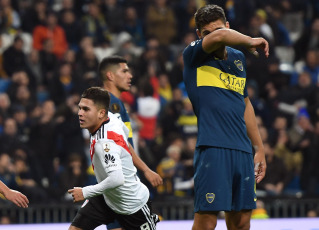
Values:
[(211, 76), (239, 65), (106, 147), (109, 159), (210, 197), (115, 108)]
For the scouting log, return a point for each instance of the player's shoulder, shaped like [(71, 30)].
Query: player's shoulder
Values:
[(191, 46), (234, 51)]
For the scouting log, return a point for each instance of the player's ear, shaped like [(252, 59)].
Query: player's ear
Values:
[(198, 34), (109, 75), (102, 113)]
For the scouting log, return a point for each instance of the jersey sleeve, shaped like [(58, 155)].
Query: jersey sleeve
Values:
[(109, 155), (194, 53)]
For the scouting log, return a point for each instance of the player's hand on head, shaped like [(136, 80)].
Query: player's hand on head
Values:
[(153, 178)]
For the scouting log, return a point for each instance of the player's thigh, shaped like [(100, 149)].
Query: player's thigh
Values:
[(213, 179), (205, 221), (238, 220), (94, 212), (143, 219)]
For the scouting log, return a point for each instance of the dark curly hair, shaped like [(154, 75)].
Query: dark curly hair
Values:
[(207, 14)]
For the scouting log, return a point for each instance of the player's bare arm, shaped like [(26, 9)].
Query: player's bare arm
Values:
[(254, 136), (150, 175), (14, 196), (223, 36)]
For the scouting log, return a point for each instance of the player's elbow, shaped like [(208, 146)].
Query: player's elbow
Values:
[(118, 179)]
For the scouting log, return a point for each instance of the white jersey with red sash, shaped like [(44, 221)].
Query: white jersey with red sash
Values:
[(109, 151)]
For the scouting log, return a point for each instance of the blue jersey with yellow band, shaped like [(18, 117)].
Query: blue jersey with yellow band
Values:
[(217, 89), (117, 107)]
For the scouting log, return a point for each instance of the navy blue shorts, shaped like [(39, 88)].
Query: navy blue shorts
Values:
[(224, 180)]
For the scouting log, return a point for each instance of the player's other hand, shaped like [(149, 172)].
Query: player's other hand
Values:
[(153, 178), (259, 43), (260, 166), (77, 194), (17, 198)]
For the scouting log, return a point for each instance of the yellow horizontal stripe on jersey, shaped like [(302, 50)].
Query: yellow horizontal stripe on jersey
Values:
[(128, 125), (211, 76)]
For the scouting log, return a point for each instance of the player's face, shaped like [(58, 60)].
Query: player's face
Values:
[(207, 29), (123, 78), (89, 115)]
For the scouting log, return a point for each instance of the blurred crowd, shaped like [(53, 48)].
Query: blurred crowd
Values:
[(50, 51)]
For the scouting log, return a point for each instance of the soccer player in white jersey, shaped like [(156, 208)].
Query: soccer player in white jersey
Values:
[(119, 193)]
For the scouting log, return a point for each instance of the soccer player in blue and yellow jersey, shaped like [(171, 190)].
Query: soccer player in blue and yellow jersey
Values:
[(116, 77), (215, 80)]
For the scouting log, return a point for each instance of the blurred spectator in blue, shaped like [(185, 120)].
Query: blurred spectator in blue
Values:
[(34, 16), (9, 18), (281, 33), (113, 13), (70, 139), (311, 66), (14, 58), (20, 115), (134, 26), (95, 25)]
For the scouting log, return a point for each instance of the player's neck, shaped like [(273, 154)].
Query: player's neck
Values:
[(112, 89)]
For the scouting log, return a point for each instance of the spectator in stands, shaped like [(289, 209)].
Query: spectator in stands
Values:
[(309, 40), (9, 18), (14, 58), (134, 26), (43, 142), (48, 62), (187, 120), (73, 175), (34, 16), (72, 28), (147, 111), (9, 140), (160, 17), (277, 177), (95, 25), (27, 183), (51, 30), (113, 13)]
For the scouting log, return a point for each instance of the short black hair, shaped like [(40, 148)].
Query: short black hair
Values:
[(207, 14), (109, 61), (99, 96)]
